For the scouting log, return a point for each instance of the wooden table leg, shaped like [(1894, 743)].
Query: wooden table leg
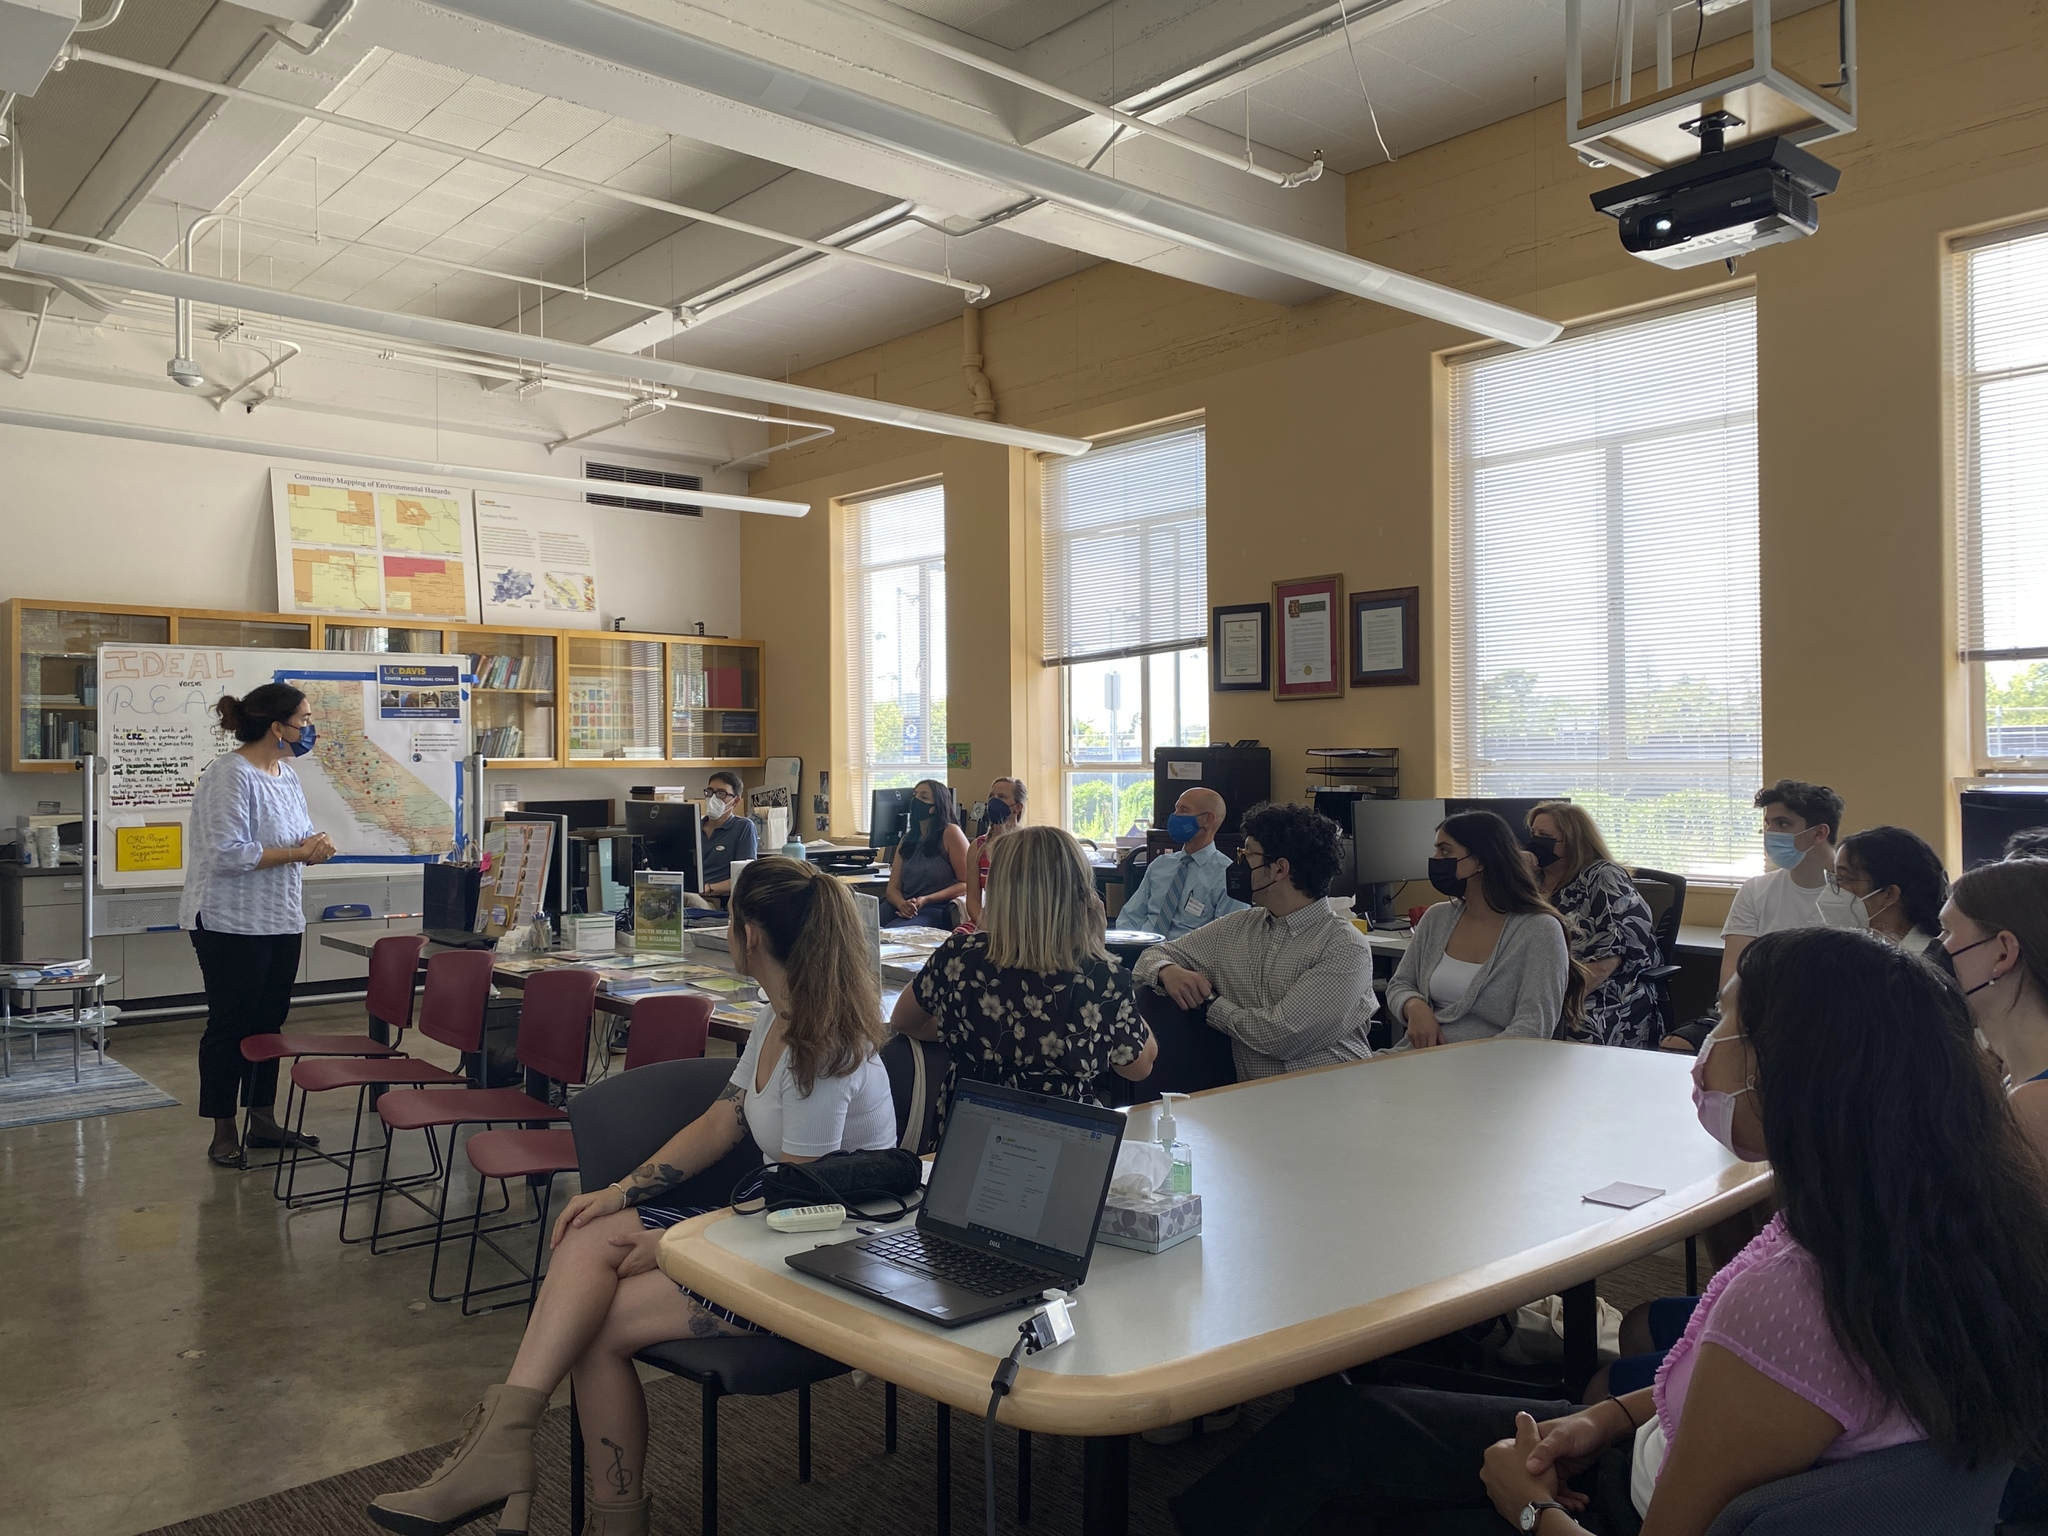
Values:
[(1581, 1338), (1105, 1486)]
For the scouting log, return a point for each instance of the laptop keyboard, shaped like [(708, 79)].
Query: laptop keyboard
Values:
[(985, 1274)]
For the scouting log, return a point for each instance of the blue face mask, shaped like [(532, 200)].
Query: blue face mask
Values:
[(1782, 849), (1183, 829), (303, 742)]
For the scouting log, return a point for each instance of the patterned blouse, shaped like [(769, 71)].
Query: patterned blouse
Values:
[(1056, 1034), (1609, 919)]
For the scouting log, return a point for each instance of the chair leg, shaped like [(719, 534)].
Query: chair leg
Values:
[(710, 1469), (943, 1469), (576, 1472), (889, 1417), (546, 1197), (1692, 1266), (1023, 1476), (803, 1433)]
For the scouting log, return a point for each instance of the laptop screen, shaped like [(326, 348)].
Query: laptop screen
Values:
[(1024, 1168)]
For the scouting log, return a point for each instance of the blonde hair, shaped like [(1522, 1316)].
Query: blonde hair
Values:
[(1579, 842), (812, 928), (1041, 913)]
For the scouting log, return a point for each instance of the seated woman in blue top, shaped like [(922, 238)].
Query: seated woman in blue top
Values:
[(933, 866), (1607, 919), (1491, 961)]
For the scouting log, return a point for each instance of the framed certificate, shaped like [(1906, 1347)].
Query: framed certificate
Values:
[(1384, 644), (1307, 641), (1241, 648)]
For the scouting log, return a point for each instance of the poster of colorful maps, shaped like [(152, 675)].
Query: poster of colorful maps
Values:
[(359, 546)]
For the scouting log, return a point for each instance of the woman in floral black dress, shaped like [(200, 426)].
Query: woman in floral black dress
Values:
[(1609, 924), (1033, 1001)]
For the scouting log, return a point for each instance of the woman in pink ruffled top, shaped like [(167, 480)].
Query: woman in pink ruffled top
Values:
[(1898, 1295)]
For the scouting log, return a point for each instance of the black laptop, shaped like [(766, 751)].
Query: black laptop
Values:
[(1009, 1212)]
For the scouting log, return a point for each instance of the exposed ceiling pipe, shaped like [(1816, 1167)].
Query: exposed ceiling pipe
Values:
[(35, 341), (633, 412), (348, 9), (392, 464), (100, 24), (977, 291), (632, 43), (220, 401), (979, 390), (49, 261), (945, 50)]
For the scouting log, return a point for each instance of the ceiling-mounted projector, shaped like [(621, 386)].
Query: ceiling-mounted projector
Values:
[(1725, 204)]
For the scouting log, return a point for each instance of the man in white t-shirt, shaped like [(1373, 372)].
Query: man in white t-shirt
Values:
[(1801, 825)]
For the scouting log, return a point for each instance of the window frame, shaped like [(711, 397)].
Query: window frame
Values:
[(1146, 730), (860, 745)]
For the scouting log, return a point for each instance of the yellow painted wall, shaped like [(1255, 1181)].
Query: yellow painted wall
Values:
[(1324, 426)]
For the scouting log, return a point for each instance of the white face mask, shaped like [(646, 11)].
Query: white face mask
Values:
[(1845, 909), (717, 807)]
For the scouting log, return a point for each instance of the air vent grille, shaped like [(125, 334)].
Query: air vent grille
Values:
[(627, 474)]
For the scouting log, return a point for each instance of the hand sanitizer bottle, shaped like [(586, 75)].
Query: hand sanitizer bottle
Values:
[(1181, 1180)]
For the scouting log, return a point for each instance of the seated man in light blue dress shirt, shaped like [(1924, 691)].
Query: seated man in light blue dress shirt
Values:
[(1183, 890)]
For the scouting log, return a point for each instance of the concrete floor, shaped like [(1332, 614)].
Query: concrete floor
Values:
[(176, 1342)]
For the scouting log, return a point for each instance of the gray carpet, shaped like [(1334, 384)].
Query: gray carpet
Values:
[(42, 1091)]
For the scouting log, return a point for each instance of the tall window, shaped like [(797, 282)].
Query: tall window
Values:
[(896, 638), (1127, 617), (2001, 342), (1604, 582)]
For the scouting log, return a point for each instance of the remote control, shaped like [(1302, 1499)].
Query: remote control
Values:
[(807, 1218)]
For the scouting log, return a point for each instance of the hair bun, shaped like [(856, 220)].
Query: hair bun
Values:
[(229, 710)]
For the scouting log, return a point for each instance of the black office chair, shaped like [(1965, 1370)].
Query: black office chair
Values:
[(1192, 1056), (1904, 1490), (1664, 893), (617, 1122)]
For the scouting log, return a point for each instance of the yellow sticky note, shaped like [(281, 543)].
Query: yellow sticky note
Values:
[(140, 849)]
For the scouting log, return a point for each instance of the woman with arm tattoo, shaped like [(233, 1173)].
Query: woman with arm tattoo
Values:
[(809, 1083)]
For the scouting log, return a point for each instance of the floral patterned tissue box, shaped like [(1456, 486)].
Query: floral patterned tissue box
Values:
[(1151, 1223)]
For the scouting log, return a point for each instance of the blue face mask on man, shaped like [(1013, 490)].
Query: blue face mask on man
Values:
[(1183, 830), (1782, 849), (302, 743)]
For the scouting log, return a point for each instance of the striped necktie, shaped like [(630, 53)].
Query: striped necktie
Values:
[(1178, 891)]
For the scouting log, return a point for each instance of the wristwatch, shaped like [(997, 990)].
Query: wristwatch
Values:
[(1532, 1514)]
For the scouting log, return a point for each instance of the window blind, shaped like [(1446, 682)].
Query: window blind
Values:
[(1126, 549), (896, 637), (1604, 630)]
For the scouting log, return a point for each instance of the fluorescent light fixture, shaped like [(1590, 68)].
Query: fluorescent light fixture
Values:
[(645, 47), (52, 261), (561, 485)]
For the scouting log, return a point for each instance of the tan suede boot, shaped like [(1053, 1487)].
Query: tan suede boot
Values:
[(493, 1466), (623, 1517)]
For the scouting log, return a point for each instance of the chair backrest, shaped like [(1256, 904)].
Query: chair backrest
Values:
[(672, 1027), (1667, 907), (1906, 1490), (622, 1121), (1192, 1056), (917, 1093), (452, 1007), (394, 966), (554, 1024)]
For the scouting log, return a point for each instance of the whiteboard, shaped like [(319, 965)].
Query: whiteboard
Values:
[(384, 780)]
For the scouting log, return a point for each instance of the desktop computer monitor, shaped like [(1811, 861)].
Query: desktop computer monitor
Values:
[(580, 813), (1513, 810), (888, 814), (557, 900), (1391, 839), (667, 837)]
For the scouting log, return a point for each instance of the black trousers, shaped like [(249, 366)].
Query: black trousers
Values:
[(249, 980), (1404, 1460)]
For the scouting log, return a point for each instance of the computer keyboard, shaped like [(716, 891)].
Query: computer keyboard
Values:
[(985, 1274)]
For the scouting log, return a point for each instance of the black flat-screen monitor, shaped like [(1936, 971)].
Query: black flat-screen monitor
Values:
[(580, 813), (888, 814), (1990, 816), (667, 836), (1391, 839), (556, 899), (1510, 809)]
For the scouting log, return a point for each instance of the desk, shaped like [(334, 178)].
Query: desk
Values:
[(1305, 1267)]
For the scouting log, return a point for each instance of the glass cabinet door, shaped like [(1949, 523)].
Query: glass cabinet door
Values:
[(512, 702), (715, 713), (59, 679), (266, 634), (615, 698), (383, 639)]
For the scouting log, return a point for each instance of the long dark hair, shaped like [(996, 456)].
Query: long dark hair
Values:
[(250, 717), (814, 931), (1903, 1172), (944, 813), (1504, 876), (1895, 856)]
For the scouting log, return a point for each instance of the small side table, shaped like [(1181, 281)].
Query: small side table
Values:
[(82, 1018)]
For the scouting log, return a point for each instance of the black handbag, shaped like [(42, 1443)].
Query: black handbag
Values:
[(838, 1178)]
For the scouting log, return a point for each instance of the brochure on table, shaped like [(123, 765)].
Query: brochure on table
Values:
[(384, 779)]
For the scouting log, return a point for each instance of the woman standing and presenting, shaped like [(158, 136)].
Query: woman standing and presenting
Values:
[(933, 867), (250, 838), (1612, 936)]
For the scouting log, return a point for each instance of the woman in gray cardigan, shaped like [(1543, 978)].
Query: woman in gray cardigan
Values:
[(1491, 961)]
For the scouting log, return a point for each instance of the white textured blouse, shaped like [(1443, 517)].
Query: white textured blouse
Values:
[(238, 811)]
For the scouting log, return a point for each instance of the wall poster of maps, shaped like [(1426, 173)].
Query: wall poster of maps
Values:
[(385, 779), (358, 546), (537, 561)]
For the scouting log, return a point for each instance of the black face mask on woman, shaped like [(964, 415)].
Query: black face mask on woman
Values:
[(1545, 849), (1443, 874)]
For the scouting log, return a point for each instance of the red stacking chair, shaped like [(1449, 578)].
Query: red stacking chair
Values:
[(554, 1047), (394, 968), (452, 1013), (671, 1027)]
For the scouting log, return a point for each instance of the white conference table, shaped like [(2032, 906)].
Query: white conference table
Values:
[(1348, 1213)]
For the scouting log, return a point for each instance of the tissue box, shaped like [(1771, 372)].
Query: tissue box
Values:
[(1152, 1223)]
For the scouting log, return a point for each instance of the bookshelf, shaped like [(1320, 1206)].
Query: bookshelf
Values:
[(714, 701), (53, 672), (615, 700), (512, 703), (380, 639)]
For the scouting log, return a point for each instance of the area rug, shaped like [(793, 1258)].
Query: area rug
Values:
[(42, 1091)]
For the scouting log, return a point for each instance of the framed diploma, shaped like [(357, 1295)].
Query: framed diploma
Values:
[(1241, 648), (1306, 638), (1384, 630)]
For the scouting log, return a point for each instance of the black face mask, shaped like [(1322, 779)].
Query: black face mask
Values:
[(1443, 874), (1545, 849), (1237, 883), (994, 814)]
